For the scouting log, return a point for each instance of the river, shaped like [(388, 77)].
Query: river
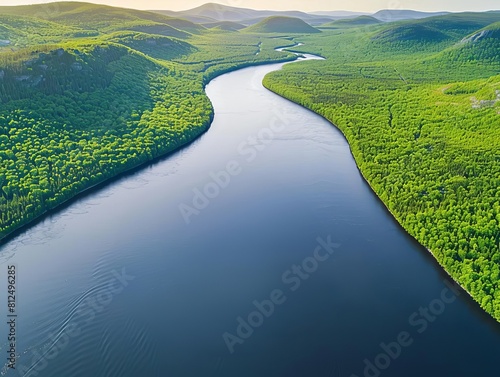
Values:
[(257, 251)]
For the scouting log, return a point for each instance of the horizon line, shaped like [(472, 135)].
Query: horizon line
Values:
[(260, 9)]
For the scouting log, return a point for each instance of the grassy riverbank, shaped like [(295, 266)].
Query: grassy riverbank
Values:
[(423, 125), (77, 113)]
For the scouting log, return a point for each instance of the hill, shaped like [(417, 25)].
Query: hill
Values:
[(156, 46), (410, 32), (489, 32), (420, 109), (391, 15), (459, 25), (352, 22), (195, 19), (279, 24), (209, 12), (90, 91), (225, 25), (18, 31), (482, 45), (438, 33), (95, 16), (148, 27), (340, 14), (220, 12)]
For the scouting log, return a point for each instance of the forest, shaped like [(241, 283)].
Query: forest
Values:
[(421, 112), (91, 94), (88, 92)]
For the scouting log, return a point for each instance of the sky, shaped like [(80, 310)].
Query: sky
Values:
[(304, 5)]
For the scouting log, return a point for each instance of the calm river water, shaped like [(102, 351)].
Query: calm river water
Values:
[(257, 251)]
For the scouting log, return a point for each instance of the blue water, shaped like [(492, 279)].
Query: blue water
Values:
[(148, 277)]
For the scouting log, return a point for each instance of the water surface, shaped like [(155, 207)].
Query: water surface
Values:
[(122, 284)]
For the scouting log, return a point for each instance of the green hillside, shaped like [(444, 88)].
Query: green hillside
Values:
[(86, 94), (279, 24), (156, 46), (461, 24), (433, 33), (18, 31), (410, 34), (148, 27), (479, 47), (352, 22), (225, 26), (423, 126), (97, 17)]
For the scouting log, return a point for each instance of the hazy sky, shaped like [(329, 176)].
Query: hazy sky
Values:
[(306, 5)]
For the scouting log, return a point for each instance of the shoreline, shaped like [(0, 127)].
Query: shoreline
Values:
[(108, 181), (435, 259), (10, 235)]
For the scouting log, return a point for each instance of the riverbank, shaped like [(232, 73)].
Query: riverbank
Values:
[(103, 183), (18, 229), (251, 234), (362, 173)]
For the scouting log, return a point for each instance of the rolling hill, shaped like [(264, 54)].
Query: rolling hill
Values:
[(490, 32), (19, 31), (148, 27), (419, 102), (279, 24), (482, 45), (352, 22), (156, 46), (459, 25), (225, 25), (96, 17), (391, 15), (218, 12), (90, 91), (439, 32), (340, 14), (410, 33)]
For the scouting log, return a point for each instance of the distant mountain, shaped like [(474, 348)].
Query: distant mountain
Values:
[(352, 22), (212, 12), (280, 24), (221, 12), (460, 25), (313, 22), (451, 28), (224, 25), (464, 36), (339, 14), (390, 15), (195, 19)]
